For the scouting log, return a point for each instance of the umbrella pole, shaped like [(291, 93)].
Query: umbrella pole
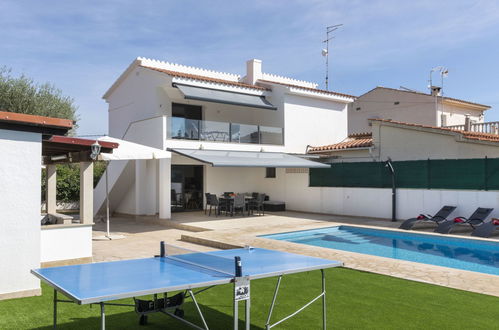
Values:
[(107, 201)]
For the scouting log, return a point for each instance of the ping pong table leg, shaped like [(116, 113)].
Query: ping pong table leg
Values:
[(236, 316), (247, 317), (55, 308), (102, 316), (324, 310)]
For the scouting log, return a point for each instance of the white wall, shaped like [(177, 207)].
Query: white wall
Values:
[(456, 115), (140, 96), (64, 243), (413, 144), (20, 191), (311, 121), (365, 202)]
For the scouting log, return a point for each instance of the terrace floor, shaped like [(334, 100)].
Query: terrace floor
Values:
[(197, 231)]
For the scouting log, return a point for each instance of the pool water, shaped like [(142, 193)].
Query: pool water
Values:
[(460, 253)]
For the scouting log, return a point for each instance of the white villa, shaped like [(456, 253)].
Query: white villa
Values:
[(223, 131)]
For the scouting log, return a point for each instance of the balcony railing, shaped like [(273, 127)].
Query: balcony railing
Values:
[(205, 130), (491, 127)]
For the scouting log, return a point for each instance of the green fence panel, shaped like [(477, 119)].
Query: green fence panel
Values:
[(475, 174), (362, 174), (457, 174), (492, 173), (411, 174)]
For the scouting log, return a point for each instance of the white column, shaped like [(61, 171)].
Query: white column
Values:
[(140, 186), (150, 193), (164, 182), (86, 192), (51, 193)]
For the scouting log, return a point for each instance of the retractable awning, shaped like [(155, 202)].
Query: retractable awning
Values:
[(218, 96), (224, 158)]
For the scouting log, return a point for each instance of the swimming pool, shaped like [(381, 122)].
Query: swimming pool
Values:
[(461, 253)]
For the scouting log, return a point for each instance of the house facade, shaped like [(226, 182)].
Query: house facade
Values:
[(185, 109), (411, 107)]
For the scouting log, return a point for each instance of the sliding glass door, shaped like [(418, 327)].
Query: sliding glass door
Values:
[(187, 188)]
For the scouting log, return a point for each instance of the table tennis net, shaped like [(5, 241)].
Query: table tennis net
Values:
[(203, 260)]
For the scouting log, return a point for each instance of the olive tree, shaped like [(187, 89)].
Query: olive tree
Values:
[(23, 95)]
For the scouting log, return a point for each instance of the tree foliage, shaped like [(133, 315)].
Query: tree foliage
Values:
[(22, 95), (68, 181)]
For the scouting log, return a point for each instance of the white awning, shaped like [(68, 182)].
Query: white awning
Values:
[(128, 150), (224, 158), (225, 97)]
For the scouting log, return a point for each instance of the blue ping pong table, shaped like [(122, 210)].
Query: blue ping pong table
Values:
[(100, 283)]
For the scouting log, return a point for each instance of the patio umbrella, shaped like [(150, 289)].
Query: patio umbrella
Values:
[(126, 151)]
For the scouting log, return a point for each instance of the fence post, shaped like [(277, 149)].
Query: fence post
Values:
[(485, 176), (428, 174)]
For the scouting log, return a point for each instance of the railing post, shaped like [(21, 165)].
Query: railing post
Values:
[(467, 123)]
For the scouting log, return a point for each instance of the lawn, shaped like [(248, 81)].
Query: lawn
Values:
[(356, 300)]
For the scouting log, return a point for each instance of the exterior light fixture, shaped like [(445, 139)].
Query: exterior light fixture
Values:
[(95, 148), (58, 157)]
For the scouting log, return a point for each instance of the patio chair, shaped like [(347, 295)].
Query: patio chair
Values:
[(214, 203), (476, 219), (257, 204), (207, 197), (486, 229), (439, 217), (239, 203)]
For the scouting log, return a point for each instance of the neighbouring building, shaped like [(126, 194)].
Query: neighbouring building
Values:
[(223, 131), (411, 107)]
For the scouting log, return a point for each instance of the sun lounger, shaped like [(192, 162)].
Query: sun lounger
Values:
[(441, 216), (486, 229), (476, 219)]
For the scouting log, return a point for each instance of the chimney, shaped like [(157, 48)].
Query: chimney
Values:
[(467, 123), (436, 91), (253, 71)]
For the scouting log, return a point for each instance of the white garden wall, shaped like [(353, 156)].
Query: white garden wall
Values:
[(59, 242), (374, 202), (20, 177)]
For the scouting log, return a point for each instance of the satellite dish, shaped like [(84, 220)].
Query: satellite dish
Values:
[(324, 52)]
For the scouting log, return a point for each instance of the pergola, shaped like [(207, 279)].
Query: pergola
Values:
[(57, 149)]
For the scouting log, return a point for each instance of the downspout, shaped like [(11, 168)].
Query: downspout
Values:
[(389, 165)]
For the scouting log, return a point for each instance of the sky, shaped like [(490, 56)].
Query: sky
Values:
[(83, 46)]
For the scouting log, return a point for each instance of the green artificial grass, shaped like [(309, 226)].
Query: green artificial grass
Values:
[(356, 300)]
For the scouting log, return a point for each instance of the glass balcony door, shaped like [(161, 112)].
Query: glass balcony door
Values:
[(186, 188)]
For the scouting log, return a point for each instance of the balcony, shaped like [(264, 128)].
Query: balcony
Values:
[(204, 130), (491, 127)]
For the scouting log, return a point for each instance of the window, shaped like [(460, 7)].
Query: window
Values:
[(270, 172), (357, 109), (186, 111), (185, 121)]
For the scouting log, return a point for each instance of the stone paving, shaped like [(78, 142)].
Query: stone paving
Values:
[(197, 231)]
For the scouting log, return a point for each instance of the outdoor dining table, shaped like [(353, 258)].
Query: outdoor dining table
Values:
[(247, 199)]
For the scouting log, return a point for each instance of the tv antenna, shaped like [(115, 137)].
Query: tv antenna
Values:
[(325, 52)]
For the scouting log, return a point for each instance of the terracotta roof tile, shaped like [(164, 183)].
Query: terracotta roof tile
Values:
[(204, 78), (33, 120), (359, 140), (309, 89)]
